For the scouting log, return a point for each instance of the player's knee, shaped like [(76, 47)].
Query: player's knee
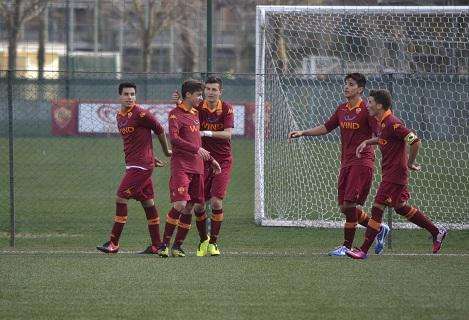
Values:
[(346, 206), (179, 205), (148, 203), (198, 207), (216, 203), (121, 200), (402, 209), (379, 205)]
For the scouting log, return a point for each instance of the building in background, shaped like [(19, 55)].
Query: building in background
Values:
[(111, 35)]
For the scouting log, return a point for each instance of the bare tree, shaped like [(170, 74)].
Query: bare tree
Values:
[(15, 13), (146, 18), (187, 35), (152, 16)]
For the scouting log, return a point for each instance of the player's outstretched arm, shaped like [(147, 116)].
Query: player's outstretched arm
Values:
[(316, 131), (164, 144), (225, 134)]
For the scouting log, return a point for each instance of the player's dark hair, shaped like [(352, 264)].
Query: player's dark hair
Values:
[(383, 97), (191, 86), (127, 85), (358, 77), (214, 80)]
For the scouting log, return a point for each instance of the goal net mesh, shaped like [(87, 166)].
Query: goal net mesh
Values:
[(421, 55)]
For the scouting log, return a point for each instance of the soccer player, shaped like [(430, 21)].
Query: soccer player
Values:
[(395, 165), (135, 125), (187, 167), (216, 122), (356, 174)]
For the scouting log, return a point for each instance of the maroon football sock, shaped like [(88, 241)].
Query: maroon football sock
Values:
[(418, 218), (119, 222), (350, 226), (374, 225), (184, 226), (171, 222), (362, 217), (201, 223), (215, 224), (153, 220)]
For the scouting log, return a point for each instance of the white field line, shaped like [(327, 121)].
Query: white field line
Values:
[(227, 253)]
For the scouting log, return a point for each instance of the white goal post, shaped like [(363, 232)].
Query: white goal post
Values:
[(420, 54)]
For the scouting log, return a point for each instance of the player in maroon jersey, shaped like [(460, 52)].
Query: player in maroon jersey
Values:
[(395, 164), (135, 125), (187, 166), (356, 174), (216, 123)]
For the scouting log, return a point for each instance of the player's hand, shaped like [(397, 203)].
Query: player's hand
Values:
[(159, 163), (168, 153), (360, 148), (204, 154), (175, 97), (215, 167), (294, 134), (414, 167)]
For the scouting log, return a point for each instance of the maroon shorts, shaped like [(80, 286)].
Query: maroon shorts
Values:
[(391, 194), (184, 186), (217, 184), (354, 184), (136, 184)]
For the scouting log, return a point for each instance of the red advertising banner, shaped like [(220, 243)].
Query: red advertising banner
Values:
[(64, 114)]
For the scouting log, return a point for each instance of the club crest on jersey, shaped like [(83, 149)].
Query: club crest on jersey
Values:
[(382, 142), (395, 126), (383, 125), (172, 116), (357, 110)]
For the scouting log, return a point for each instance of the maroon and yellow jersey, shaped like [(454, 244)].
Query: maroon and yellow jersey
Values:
[(135, 126), (392, 139), (184, 135), (356, 126), (219, 119)]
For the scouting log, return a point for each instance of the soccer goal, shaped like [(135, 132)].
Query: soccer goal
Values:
[(420, 54)]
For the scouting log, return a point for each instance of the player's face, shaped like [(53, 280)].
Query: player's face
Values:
[(351, 89), (212, 92), (195, 98), (373, 107), (127, 97)]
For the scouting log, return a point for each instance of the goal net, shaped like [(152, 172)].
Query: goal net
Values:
[(420, 54)]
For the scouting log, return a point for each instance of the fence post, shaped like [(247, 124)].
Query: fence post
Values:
[(10, 76), (389, 209), (389, 84), (209, 36)]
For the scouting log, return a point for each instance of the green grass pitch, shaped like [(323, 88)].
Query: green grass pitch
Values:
[(64, 203)]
